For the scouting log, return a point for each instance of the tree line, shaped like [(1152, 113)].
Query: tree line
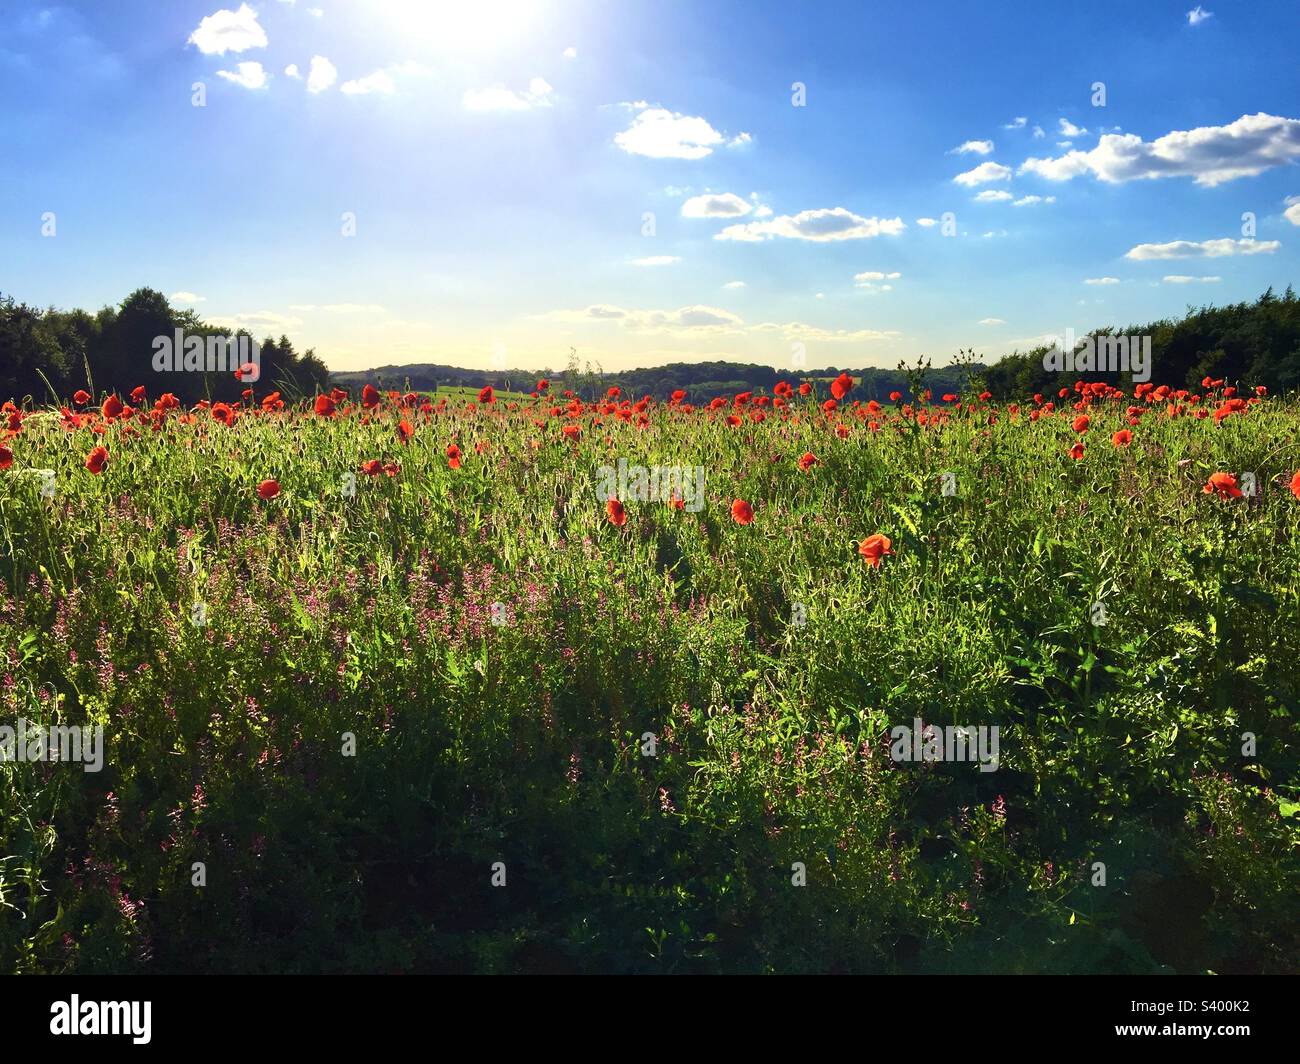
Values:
[(46, 354)]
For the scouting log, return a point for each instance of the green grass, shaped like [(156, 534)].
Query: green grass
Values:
[(520, 742)]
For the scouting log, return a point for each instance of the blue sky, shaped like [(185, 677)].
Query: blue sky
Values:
[(635, 179)]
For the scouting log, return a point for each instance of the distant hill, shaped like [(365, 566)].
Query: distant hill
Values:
[(1247, 343)]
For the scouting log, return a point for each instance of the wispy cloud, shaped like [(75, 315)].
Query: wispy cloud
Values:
[(983, 174), (500, 98), (248, 75), (1207, 249), (716, 205), (820, 226)]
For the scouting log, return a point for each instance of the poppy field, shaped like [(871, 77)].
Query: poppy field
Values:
[(389, 683)]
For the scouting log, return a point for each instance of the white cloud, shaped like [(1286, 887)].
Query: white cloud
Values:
[(228, 31), (973, 147), (499, 98), (875, 275), (821, 226), (695, 318), (250, 75), (322, 74), (379, 81), (1102, 280), (291, 71), (186, 297), (740, 140), (1029, 201), (983, 174), (1180, 278), (925, 223), (698, 320), (570, 53), (1017, 123), (1209, 249), (993, 196), (1209, 154), (1039, 133), (1292, 213), (992, 321), (716, 205), (795, 330), (1069, 129), (662, 134), (263, 321), (1197, 15), (656, 260), (734, 284)]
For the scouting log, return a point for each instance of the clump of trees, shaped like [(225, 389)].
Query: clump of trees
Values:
[(1247, 343), (49, 354)]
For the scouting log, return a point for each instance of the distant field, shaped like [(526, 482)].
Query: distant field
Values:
[(472, 394)]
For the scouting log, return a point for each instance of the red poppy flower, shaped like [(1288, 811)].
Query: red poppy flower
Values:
[(841, 386), (97, 460), (742, 513), (1081, 423), (895, 396), (1224, 484), (571, 432), (324, 406), (372, 467), (617, 515), (486, 396), (1122, 438), (1295, 485), (404, 432), (873, 548), (808, 461), (81, 397), (112, 407), (7, 459), (268, 489), (369, 396), (1076, 452), (678, 395), (805, 388), (453, 456), (138, 394)]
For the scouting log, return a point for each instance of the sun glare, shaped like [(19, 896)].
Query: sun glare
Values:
[(477, 25)]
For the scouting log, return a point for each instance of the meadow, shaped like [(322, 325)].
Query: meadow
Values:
[(406, 693)]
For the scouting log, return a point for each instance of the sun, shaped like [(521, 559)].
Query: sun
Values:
[(463, 25)]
